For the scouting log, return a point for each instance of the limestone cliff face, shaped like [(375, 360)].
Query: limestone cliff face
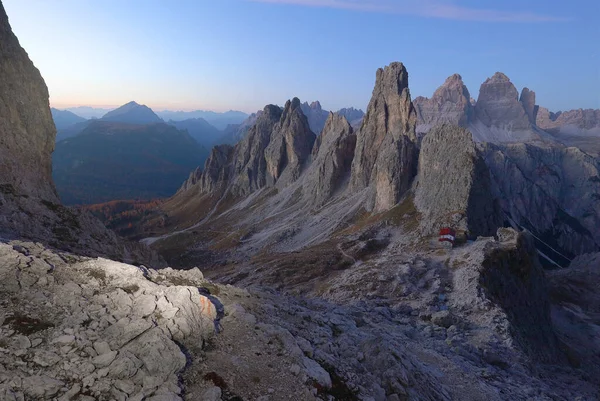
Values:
[(498, 105), (453, 184), (216, 168), (550, 190), (332, 160), (512, 278), (26, 127), (290, 146), (29, 205), (386, 151), (451, 103)]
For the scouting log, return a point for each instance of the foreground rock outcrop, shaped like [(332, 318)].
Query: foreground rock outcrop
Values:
[(453, 184), (386, 152), (95, 329), (80, 328)]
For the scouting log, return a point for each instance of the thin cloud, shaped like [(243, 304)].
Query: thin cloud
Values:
[(424, 8)]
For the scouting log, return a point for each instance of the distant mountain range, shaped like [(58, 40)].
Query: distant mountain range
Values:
[(218, 120), (317, 116), (89, 112), (113, 160), (199, 129), (129, 113), (64, 118)]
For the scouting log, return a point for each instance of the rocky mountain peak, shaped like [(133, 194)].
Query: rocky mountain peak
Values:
[(333, 120), (316, 116), (498, 77), (498, 86), (270, 112), (450, 104), (132, 113), (386, 151), (354, 116), (454, 78), (316, 105), (131, 104), (290, 107), (498, 105), (527, 99), (290, 146)]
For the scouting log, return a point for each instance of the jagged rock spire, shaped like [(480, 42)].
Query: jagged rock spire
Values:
[(290, 146), (386, 151)]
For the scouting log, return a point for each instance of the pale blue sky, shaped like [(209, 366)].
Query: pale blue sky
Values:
[(243, 54)]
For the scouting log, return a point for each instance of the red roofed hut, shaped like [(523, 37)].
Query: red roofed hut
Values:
[(447, 234)]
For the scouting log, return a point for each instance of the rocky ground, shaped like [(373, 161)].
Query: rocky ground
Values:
[(395, 328)]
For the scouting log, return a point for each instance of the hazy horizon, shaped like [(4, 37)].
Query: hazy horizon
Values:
[(244, 54), (156, 109)]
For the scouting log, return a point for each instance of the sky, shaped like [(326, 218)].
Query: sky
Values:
[(243, 54)]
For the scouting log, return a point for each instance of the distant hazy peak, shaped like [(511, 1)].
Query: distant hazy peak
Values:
[(132, 113)]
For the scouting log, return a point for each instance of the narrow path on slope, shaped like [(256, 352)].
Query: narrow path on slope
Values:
[(346, 255)]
